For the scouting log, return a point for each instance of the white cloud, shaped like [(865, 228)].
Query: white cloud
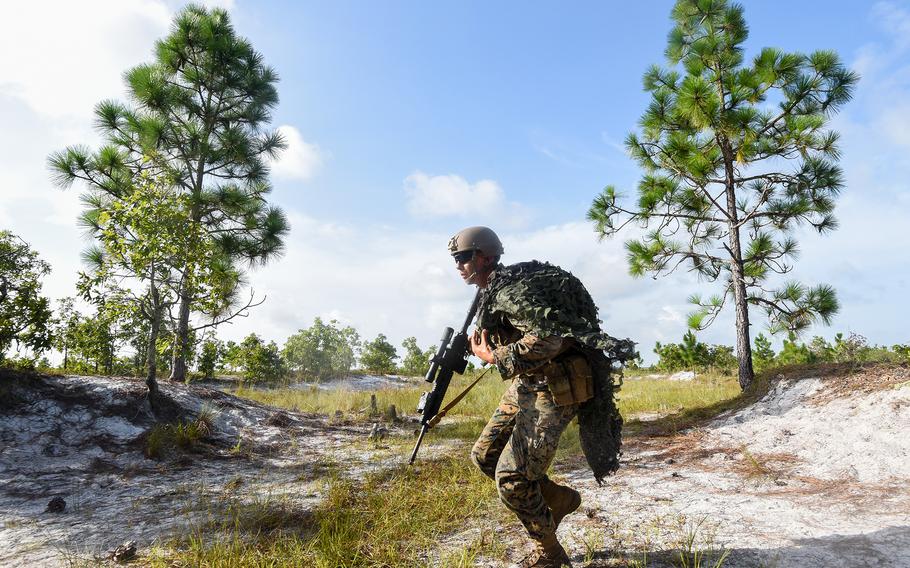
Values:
[(440, 196), (895, 123), (61, 58), (575, 152), (609, 141), (894, 20), (670, 314), (377, 279), (402, 283), (879, 106), (300, 160), (884, 61), (453, 196)]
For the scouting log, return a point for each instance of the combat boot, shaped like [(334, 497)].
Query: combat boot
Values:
[(560, 499), (548, 554)]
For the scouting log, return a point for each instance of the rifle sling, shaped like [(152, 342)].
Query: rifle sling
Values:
[(435, 420)]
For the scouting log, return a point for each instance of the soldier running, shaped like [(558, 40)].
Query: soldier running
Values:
[(538, 324)]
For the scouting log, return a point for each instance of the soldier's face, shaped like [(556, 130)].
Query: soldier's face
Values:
[(473, 267)]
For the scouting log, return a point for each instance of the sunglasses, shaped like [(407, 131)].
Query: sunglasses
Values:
[(463, 256)]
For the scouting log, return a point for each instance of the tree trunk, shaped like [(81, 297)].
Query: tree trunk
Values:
[(743, 346), (181, 347), (151, 380), (151, 352), (181, 339)]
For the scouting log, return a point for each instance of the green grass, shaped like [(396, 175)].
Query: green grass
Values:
[(637, 396), (163, 438), (393, 517), (643, 395), (480, 401), (678, 402), (400, 516)]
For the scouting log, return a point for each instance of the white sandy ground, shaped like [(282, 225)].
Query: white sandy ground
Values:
[(79, 438), (814, 474), (791, 481)]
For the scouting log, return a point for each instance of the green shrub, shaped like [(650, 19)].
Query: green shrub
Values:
[(693, 355), (184, 435)]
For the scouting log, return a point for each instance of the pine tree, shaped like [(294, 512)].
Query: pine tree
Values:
[(728, 176), (763, 353), (198, 117)]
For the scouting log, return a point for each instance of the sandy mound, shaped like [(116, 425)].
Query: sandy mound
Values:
[(814, 474), (82, 439)]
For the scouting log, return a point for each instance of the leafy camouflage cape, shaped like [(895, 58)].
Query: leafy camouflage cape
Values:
[(554, 302)]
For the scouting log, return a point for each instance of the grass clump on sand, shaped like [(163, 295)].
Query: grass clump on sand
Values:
[(393, 517), (183, 435)]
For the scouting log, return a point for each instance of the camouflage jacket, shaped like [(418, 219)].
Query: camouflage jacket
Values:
[(535, 310)]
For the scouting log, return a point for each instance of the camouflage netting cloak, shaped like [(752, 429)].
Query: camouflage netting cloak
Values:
[(554, 302)]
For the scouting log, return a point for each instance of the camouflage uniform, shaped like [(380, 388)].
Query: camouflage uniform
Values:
[(538, 315), (518, 443)]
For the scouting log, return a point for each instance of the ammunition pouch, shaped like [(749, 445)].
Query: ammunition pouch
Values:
[(570, 379)]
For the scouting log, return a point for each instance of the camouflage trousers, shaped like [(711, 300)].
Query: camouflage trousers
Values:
[(516, 448)]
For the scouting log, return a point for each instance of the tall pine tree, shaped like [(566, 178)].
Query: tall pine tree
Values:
[(197, 116), (736, 156)]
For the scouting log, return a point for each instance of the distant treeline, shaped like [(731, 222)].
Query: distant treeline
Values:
[(693, 355), (113, 340)]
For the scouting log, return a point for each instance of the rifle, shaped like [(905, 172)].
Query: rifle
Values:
[(450, 358)]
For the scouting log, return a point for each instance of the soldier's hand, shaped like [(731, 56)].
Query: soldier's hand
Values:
[(480, 346)]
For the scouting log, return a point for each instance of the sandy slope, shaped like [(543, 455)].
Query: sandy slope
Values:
[(816, 473), (81, 438)]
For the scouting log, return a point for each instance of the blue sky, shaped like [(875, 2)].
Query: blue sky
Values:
[(410, 120)]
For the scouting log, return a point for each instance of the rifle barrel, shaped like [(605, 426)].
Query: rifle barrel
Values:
[(423, 432)]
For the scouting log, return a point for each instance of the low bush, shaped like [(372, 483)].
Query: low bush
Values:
[(162, 439)]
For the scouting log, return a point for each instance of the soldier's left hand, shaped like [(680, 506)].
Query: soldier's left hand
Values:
[(480, 346)]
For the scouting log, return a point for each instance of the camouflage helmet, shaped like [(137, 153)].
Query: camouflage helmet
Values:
[(481, 239)]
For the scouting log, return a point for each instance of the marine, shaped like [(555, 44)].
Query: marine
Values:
[(538, 325)]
